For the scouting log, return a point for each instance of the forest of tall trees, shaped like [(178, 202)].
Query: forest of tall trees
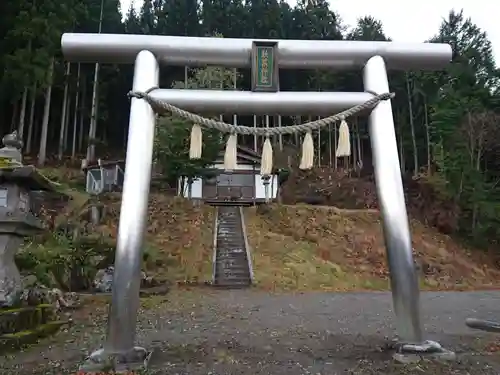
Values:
[(445, 121)]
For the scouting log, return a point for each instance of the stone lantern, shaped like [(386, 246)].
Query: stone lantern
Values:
[(266, 180), (16, 218)]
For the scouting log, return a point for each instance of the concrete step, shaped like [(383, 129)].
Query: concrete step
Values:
[(234, 280), (232, 253), (238, 273), (234, 262), (232, 272), (222, 203), (233, 285), (233, 248), (234, 239)]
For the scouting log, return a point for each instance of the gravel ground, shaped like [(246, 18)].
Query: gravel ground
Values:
[(249, 332)]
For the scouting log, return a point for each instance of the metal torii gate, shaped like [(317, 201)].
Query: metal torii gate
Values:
[(148, 52)]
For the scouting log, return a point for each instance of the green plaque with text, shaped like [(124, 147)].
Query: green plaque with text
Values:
[(265, 74)]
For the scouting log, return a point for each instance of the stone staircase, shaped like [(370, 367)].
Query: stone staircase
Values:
[(232, 268)]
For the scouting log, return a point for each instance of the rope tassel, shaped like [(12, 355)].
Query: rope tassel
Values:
[(230, 156), (344, 145), (266, 165), (307, 160), (196, 144)]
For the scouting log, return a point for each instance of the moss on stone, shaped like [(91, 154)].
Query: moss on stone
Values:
[(16, 340), (24, 318)]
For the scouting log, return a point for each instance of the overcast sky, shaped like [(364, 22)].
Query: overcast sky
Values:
[(412, 21)]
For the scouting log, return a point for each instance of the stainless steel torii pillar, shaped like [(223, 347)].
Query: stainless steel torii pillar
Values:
[(147, 52)]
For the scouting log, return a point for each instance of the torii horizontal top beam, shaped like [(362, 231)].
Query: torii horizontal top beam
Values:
[(286, 103), (230, 52)]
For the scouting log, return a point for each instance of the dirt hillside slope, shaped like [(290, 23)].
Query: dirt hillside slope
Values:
[(179, 236), (324, 248), (342, 189)]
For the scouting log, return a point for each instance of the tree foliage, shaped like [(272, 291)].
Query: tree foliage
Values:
[(173, 133)]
